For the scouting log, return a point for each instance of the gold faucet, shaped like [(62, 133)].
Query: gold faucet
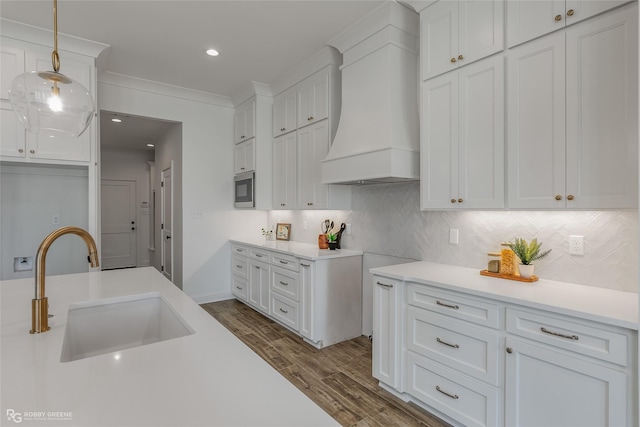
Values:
[(39, 305)]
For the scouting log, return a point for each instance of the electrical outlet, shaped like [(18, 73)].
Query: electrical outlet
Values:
[(55, 219), (304, 225), (453, 236), (348, 228), (576, 245), (197, 215)]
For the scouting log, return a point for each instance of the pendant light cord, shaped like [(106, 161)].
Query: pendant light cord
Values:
[(55, 58)]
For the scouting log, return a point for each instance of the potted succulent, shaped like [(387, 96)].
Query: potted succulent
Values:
[(527, 253), (333, 241)]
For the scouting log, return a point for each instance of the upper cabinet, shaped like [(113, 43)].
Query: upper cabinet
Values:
[(528, 19), (245, 119), (573, 117), (313, 99), (284, 112), (456, 33)]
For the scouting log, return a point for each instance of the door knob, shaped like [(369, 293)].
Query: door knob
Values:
[(168, 237), (133, 228), (133, 222)]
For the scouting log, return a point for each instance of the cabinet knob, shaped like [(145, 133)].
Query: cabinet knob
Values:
[(558, 18), (570, 12), (20, 150), (453, 60), (570, 197), (309, 203), (133, 229), (460, 200), (453, 200), (32, 151), (282, 204), (509, 350), (242, 137), (460, 57), (310, 118), (558, 197), (282, 129)]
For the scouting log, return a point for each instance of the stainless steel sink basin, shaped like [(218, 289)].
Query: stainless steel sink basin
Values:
[(108, 325)]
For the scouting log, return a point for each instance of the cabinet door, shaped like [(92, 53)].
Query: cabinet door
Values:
[(11, 65), (439, 38), (308, 327), (284, 171), (481, 135), (536, 124), (259, 289), (528, 19), (481, 29), (284, 113), (313, 147), (313, 99), (439, 142), (548, 388), (245, 156), (386, 331), (12, 133), (61, 148), (239, 287), (245, 121), (602, 112)]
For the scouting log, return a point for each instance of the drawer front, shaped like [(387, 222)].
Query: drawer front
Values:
[(239, 250), (450, 304), (587, 338), (471, 403), (239, 287), (285, 261), (285, 311), (259, 254), (239, 265), (469, 349), (285, 283)]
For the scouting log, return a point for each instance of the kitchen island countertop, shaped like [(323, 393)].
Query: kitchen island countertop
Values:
[(209, 378)]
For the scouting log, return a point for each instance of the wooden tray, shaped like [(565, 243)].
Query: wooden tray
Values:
[(531, 279)]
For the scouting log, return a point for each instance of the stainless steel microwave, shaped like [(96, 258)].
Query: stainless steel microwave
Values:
[(244, 190)]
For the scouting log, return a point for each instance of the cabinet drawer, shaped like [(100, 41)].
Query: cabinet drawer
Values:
[(239, 250), (450, 304), (259, 254), (285, 261), (469, 349), (239, 265), (285, 311), (285, 283), (239, 287), (586, 338), (471, 403)]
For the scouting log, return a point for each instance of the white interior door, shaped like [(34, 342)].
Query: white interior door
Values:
[(119, 244), (167, 223)]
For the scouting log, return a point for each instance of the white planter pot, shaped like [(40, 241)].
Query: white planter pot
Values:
[(526, 271)]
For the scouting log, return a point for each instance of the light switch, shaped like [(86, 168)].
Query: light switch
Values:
[(453, 236)]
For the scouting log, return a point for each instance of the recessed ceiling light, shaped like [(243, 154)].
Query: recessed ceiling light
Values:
[(212, 52), (150, 145), (116, 120)]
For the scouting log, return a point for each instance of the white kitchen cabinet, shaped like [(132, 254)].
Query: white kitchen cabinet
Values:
[(245, 121), (462, 139), (313, 98), (239, 272), (11, 65), (457, 33), (245, 156), (528, 19), (12, 134), (387, 331), (313, 147), (573, 117), (284, 112), (285, 167), (259, 294)]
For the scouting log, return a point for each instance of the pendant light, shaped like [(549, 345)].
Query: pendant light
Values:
[(50, 103)]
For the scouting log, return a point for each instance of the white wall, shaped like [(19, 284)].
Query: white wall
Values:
[(386, 219), (30, 196), (207, 177), (132, 166)]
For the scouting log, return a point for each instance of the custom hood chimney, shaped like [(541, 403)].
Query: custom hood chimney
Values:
[(378, 135)]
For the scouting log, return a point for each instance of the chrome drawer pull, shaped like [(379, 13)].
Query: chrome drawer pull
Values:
[(455, 307), (305, 265), (558, 334), (284, 311), (446, 343), (453, 396), (283, 262), (259, 256), (284, 283), (385, 285), (238, 287), (238, 266)]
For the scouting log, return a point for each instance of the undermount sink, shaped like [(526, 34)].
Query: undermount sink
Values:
[(108, 325)]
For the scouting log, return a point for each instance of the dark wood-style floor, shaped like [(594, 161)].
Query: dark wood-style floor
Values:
[(338, 378)]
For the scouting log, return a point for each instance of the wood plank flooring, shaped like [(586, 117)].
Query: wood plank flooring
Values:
[(338, 378)]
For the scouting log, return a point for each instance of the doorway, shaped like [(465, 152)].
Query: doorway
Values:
[(119, 224), (166, 227)]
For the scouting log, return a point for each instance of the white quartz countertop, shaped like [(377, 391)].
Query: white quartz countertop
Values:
[(612, 307), (209, 378), (299, 249)]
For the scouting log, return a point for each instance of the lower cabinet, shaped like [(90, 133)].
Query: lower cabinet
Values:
[(477, 361), (259, 295)]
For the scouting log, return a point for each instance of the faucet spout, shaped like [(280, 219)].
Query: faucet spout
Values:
[(40, 305)]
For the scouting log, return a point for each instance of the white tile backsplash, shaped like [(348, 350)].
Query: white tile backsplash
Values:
[(386, 219)]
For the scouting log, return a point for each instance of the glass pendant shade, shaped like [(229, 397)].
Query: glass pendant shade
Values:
[(50, 103)]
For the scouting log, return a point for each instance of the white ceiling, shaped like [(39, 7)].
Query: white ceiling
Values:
[(165, 41)]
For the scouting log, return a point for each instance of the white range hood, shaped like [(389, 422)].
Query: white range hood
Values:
[(378, 134)]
